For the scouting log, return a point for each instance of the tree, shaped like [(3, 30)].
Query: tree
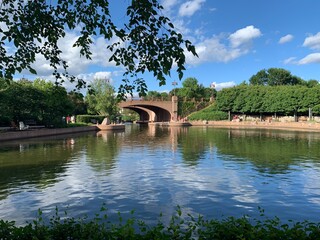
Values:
[(189, 88), (146, 42), (4, 114), (312, 83), (260, 78), (153, 95), (20, 101), (102, 100), (226, 98), (275, 77), (55, 104), (78, 104), (165, 96), (192, 89)]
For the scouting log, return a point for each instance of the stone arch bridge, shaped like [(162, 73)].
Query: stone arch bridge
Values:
[(154, 111)]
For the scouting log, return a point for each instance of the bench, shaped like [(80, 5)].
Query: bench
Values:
[(30, 122), (33, 124)]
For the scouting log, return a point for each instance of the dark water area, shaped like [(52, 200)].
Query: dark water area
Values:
[(209, 171)]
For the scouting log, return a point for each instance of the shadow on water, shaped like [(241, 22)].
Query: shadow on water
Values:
[(193, 145), (103, 150)]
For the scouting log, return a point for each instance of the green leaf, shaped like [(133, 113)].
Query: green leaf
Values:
[(33, 71)]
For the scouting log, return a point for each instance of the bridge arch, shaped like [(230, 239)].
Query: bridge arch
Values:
[(145, 115), (157, 111)]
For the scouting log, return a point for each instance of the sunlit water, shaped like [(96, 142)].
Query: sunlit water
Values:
[(213, 172)]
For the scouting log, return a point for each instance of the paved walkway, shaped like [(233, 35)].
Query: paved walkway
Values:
[(295, 126)]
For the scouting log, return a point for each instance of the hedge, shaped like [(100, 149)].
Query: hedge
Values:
[(90, 118)]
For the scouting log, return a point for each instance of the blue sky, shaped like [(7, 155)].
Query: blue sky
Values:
[(234, 39)]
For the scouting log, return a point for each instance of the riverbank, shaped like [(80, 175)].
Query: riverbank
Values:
[(43, 132), (293, 126)]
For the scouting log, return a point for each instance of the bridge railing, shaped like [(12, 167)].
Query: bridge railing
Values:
[(129, 99)]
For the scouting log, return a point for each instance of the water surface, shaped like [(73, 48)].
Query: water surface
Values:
[(208, 171)]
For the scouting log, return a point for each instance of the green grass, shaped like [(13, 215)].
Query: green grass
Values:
[(209, 113), (80, 124), (179, 227)]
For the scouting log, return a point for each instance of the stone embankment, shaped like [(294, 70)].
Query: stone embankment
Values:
[(295, 126), (32, 133)]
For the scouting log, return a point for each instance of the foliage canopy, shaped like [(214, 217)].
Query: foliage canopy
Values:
[(147, 41), (269, 99), (102, 100), (275, 77), (39, 100)]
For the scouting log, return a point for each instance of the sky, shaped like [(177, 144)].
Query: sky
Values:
[(234, 40)]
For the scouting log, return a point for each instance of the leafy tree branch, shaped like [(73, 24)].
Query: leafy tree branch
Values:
[(148, 40)]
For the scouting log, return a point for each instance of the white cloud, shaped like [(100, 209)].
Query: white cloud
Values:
[(219, 86), (290, 60), (285, 39), (214, 50), (181, 26), (89, 77), (313, 41), (168, 4), (190, 7), (103, 75), (77, 64), (311, 58), (244, 36), (100, 53), (176, 14)]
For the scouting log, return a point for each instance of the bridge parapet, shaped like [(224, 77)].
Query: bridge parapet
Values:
[(161, 104)]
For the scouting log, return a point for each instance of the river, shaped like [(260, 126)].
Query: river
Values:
[(209, 171)]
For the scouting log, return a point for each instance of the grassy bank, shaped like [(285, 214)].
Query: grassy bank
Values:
[(188, 227), (210, 113)]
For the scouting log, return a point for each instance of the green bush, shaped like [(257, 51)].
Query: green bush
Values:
[(179, 227), (316, 110), (80, 124), (213, 116), (89, 118), (4, 121)]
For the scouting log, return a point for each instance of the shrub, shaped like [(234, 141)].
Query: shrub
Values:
[(89, 118), (316, 110), (80, 124), (179, 227)]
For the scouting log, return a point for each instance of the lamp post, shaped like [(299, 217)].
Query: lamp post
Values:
[(212, 86), (174, 100), (174, 83)]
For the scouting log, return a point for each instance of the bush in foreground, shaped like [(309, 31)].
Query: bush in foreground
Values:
[(178, 228)]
